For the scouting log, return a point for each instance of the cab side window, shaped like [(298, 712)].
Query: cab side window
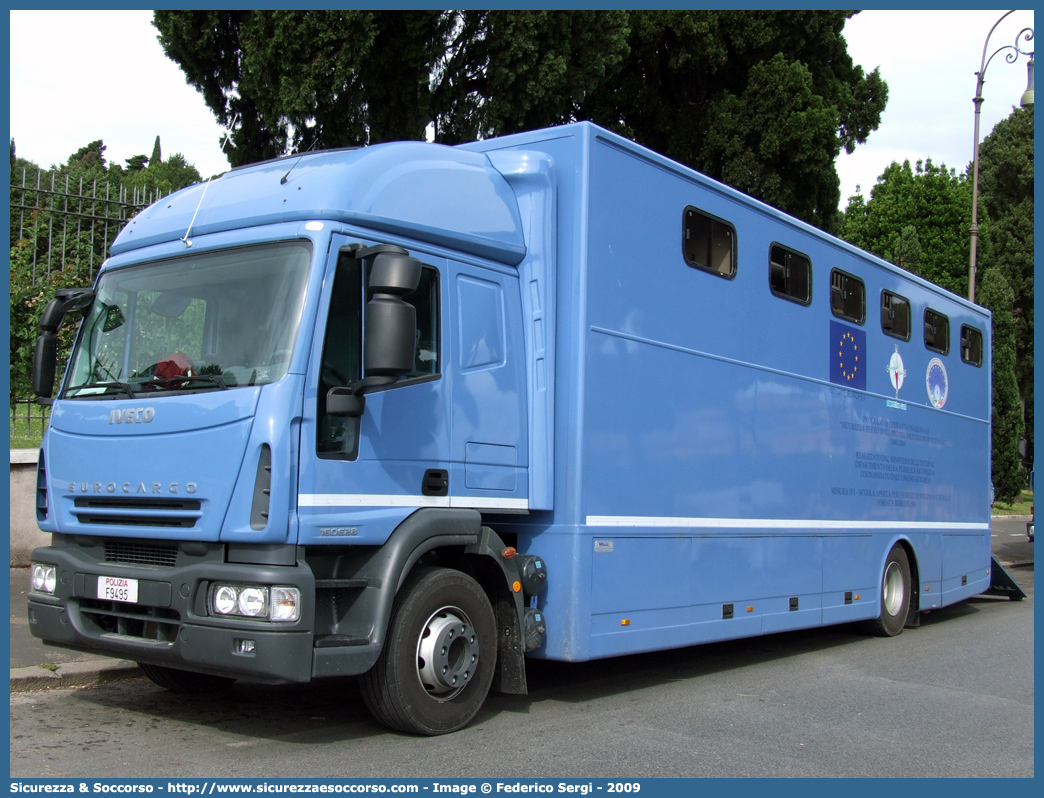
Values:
[(338, 436), (342, 366)]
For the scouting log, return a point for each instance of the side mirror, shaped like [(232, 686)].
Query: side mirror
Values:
[(390, 327), (45, 360), (391, 323), (65, 301), (345, 402)]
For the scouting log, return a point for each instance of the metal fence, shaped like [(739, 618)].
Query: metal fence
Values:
[(53, 210), (28, 421), (60, 223)]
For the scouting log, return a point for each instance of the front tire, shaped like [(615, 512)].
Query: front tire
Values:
[(896, 586), (437, 664)]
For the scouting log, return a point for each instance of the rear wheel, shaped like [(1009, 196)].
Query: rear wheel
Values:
[(436, 667), (895, 595), (180, 681)]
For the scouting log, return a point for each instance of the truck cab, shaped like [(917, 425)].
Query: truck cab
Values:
[(295, 394)]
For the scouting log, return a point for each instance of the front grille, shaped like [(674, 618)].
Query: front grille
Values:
[(119, 511), (155, 624), (137, 552)]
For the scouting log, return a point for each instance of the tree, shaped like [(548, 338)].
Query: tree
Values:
[(1009, 477), (93, 155), (59, 242), (157, 154), (164, 176), (297, 80), (907, 252), (932, 199), (1006, 191), (136, 163), (509, 71), (763, 100)]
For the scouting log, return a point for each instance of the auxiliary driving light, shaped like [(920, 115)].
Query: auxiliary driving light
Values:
[(278, 604), (43, 578)]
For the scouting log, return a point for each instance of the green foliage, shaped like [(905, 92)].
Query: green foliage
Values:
[(157, 153), (1006, 194), (93, 155), (510, 71), (907, 253), (308, 79), (164, 176), (763, 100), (136, 163), (933, 200), (1020, 505), (29, 296), (55, 245), (1009, 477)]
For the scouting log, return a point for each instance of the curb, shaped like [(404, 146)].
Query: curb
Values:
[(89, 673)]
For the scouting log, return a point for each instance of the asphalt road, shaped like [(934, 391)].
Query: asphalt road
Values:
[(953, 698)]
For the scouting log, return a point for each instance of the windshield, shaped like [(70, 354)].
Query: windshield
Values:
[(215, 320)]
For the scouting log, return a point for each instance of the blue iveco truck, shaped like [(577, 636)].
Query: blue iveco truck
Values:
[(416, 413)]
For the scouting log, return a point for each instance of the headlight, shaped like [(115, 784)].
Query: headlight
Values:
[(225, 600), (253, 602), (43, 578), (279, 604)]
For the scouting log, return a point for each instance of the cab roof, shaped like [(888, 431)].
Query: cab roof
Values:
[(430, 192)]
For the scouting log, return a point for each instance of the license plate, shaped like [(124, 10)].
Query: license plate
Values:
[(117, 588)]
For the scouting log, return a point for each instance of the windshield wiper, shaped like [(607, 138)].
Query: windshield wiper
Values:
[(183, 381), (127, 389)]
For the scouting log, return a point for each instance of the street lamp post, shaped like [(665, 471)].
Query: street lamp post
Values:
[(1011, 55)]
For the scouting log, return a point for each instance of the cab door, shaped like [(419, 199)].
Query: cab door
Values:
[(361, 476)]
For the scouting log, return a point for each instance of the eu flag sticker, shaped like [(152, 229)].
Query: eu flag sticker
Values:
[(847, 356)]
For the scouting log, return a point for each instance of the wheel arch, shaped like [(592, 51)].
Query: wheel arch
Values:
[(915, 574), (458, 539)]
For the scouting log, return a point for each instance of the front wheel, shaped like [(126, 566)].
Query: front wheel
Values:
[(895, 595), (436, 667)]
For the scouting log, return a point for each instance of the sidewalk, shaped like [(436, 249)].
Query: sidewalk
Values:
[(35, 666)]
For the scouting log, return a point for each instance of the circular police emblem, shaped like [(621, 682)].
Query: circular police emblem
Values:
[(938, 383)]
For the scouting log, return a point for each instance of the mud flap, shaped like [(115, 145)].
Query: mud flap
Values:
[(1001, 583)]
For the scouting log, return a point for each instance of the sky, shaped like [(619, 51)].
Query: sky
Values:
[(128, 93)]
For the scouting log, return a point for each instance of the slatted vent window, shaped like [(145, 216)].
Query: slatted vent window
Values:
[(971, 345), (790, 274), (936, 331), (847, 296), (709, 243), (895, 315)]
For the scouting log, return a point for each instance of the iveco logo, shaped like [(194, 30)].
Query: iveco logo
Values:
[(133, 415)]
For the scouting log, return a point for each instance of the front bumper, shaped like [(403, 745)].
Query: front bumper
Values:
[(170, 624)]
